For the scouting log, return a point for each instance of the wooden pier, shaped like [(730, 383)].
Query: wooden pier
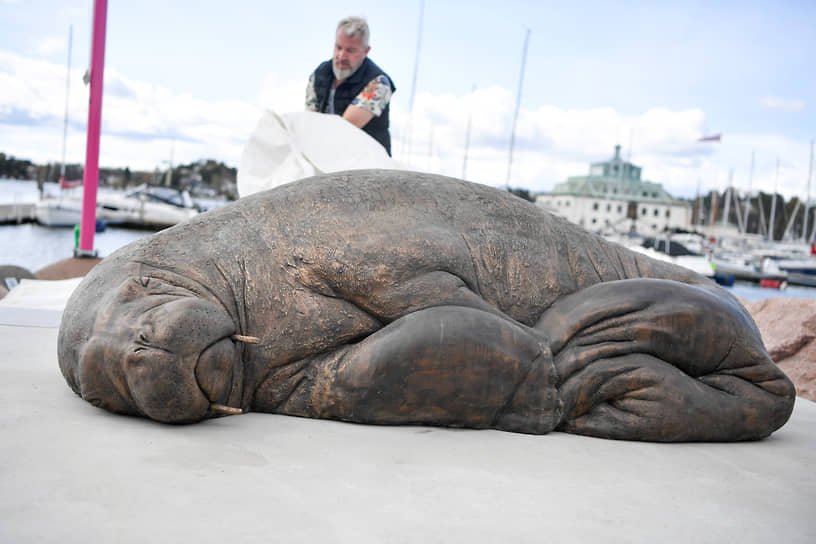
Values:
[(16, 213)]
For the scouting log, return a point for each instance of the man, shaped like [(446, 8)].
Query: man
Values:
[(351, 85)]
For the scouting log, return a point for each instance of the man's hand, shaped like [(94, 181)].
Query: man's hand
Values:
[(357, 116)]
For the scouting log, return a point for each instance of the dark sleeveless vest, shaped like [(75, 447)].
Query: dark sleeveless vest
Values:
[(377, 128)]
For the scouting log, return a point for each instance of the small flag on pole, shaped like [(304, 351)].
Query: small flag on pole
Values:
[(712, 138)]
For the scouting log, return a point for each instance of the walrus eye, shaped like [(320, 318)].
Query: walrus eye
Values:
[(141, 343)]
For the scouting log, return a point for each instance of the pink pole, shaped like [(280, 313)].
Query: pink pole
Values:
[(91, 176)]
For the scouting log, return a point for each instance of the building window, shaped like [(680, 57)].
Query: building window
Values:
[(656, 212), (595, 206), (668, 213), (643, 211), (567, 203), (594, 220), (609, 207), (620, 209)]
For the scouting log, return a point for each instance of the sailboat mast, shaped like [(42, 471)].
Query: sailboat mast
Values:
[(748, 199), (727, 198), (67, 94), (735, 200), (807, 199), (772, 225), (91, 177), (467, 131), (518, 103), (406, 137), (713, 214), (628, 163), (169, 177), (762, 224)]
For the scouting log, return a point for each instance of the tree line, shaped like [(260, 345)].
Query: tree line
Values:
[(11, 167), (203, 175), (788, 215)]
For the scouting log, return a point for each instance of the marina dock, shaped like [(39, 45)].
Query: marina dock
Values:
[(17, 212)]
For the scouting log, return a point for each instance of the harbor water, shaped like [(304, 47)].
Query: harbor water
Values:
[(33, 246), (752, 292)]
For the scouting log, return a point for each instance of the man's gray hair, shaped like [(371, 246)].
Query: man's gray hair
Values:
[(355, 26)]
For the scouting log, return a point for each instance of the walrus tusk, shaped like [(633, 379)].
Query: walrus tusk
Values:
[(227, 410), (247, 339)]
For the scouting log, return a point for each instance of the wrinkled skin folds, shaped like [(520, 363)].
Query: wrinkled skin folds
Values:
[(402, 298)]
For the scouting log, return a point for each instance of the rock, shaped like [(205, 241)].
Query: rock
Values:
[(788, 328), (12, 271), (17, 272), (60, 270)]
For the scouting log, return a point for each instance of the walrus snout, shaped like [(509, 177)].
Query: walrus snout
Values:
[(219, 375), (161, 353)]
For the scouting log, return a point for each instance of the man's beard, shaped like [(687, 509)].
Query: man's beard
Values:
[(341, 73)]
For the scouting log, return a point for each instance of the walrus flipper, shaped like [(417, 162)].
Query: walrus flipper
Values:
[(449, 365), (659, 360)]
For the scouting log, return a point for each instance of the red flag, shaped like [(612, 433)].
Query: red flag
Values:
[(712, 138)]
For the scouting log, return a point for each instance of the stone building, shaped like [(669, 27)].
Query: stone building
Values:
[(614, 198)]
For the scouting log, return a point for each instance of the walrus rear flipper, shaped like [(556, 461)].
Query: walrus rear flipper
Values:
[(449, 365), (663, 361)]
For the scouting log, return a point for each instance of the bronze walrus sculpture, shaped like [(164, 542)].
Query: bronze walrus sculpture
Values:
[(405, 298)]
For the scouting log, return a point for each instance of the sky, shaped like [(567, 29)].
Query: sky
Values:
[(189, 79)]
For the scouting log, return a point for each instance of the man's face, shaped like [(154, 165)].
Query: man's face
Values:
[(349, 54)]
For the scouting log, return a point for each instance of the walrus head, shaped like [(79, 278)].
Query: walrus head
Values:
[(157, 350)]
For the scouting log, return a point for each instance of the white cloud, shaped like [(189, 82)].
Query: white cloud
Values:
[(551, 143), (51, 45), (140, 121), (783, 104), (143, 122), (281, 96)]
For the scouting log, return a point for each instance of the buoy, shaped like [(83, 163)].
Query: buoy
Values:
[(726, 280)]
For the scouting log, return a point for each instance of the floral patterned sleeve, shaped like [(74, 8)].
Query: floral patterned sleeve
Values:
[(311, 95), (375, 96)]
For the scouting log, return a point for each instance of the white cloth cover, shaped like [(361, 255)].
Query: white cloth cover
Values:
[(291, 146)]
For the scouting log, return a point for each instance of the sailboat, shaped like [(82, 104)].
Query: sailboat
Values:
[(142, 207), (65, 209), (761, 257)]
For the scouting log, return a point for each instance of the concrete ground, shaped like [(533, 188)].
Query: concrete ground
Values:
[(70, 472)]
